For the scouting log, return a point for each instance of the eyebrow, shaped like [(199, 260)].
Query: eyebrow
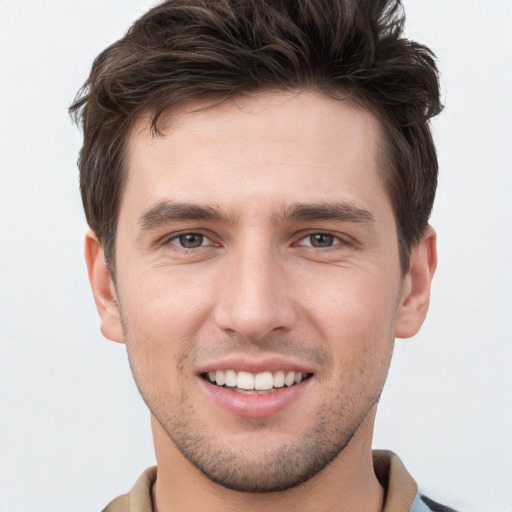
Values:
[(167, 212), (339, 212)]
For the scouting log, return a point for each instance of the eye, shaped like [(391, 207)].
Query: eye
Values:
[(320, 240), (189, 240)]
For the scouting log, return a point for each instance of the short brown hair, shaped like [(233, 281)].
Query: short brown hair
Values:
[(184, 50)]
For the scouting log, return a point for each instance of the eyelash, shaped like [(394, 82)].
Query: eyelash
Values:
[(178, 236), (335, 240)]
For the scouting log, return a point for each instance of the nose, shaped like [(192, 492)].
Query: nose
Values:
[(254, 298)]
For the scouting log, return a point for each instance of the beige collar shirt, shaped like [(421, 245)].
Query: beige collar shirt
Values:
[(401, 490)]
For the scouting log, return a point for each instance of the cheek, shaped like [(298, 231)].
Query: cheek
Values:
[(167, 304), (355, 315), (162, 314), (350, 300)]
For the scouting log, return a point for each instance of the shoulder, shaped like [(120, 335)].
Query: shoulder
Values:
[(119, 504), (434, 506), (139, 498), (402, 492)]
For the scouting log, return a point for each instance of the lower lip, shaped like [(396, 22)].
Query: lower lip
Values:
[(254, 406)]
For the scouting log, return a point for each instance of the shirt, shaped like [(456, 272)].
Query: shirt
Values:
[(401, 494)]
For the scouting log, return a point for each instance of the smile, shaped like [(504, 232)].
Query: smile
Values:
[(255, 383)]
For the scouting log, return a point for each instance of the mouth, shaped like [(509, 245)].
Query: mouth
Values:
[(255, 383)]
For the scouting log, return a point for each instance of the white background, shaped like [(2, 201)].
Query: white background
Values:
[(74, 432)]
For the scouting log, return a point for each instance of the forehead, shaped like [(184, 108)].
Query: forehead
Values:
[(291, 145)]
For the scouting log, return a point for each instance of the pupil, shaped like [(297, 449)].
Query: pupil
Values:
[(191, 240), (322, 240)]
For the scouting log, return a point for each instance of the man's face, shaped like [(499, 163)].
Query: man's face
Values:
[(257, 244)]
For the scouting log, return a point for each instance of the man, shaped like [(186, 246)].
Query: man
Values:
[(258, 177)]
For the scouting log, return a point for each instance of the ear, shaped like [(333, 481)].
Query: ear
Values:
[(103, 289), (415, 297)]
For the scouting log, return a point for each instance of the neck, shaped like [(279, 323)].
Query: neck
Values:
[(348, 483)]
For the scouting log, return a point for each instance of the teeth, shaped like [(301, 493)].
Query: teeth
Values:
[(263, 381), (260, 382), (279, 379), (245, 380), (230, 378), (219, 378), (289, 380)]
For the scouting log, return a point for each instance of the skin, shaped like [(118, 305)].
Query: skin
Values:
[(258, 288)]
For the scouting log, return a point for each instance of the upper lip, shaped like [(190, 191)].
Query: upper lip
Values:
[(255, 365)]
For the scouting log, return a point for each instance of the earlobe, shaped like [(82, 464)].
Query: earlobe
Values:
[(103, 289), (415, 297)]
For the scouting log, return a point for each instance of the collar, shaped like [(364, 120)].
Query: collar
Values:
[(401, 490)]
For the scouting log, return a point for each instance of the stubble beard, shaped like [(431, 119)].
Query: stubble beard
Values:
[(266, 471), (281, 469), (331, 429)]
